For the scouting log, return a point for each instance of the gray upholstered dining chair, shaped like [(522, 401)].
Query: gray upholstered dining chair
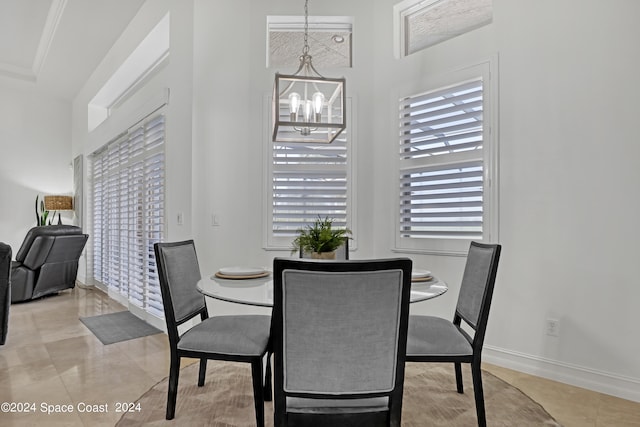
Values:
[(242, 338), (433, 339), (339, 335)]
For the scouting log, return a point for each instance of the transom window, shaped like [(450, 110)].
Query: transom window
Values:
[(420, 24)]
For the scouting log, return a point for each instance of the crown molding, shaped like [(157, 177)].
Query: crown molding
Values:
[(48, 33), (15, 72), (46, 39)]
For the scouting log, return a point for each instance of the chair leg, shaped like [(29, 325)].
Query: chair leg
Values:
[(258, 391), (172, 392), (268, 394), (459, 386), (202, 372), (478, 393)]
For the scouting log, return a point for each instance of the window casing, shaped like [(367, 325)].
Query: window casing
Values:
[(447, 164), (305, 181), (127, 204)]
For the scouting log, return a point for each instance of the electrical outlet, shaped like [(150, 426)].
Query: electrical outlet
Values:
[(553, 327), (180, 218)]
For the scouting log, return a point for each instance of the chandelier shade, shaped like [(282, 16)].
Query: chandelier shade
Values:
[(308, 107)]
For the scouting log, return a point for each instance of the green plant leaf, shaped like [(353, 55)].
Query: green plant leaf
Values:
[(320, 237)]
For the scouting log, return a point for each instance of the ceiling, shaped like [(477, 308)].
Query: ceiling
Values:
[(56, 44)]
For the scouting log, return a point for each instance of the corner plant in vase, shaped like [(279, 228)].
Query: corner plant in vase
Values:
[(42, 214), (320, 239)]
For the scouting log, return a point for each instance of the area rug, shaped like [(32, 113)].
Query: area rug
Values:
[(430, 399), (116, 327)]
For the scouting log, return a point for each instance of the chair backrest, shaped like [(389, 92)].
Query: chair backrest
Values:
[(53, 252), (341, 253), (476, 289), (5, 290), (340, 328), (39, 242), (179, 273)]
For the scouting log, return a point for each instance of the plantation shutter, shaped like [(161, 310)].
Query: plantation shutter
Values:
[(308, 180), (441, 163), (128, 213)]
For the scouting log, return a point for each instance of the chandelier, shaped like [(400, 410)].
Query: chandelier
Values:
[(308, 107)]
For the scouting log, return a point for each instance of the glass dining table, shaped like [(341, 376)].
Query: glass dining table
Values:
[(259, 291)]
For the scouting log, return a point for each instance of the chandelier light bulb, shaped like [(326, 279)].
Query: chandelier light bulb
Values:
[(308, 109), (318, 103), (294, 105)]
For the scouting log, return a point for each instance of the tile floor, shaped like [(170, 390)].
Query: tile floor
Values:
[(51, 360)]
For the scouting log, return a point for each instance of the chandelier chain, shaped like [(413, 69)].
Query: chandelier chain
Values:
[(305, 50)]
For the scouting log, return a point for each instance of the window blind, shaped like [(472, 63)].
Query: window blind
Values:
[(309, 181), (128, 213), (442, 163)]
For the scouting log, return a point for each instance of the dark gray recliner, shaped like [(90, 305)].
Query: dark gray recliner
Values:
[(5, 290), (47, 261)]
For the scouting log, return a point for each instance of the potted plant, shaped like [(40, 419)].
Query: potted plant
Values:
[(43, 214), (320, 239)]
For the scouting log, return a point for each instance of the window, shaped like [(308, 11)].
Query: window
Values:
[(127, 201), (423, 23), (446, 168), (306, 181), (329, 41)]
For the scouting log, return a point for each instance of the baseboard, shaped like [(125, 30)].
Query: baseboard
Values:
[(579, 376), (81, 285)]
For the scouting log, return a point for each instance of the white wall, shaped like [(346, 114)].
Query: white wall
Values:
[(569, 199), (35, 142), (172, 82), (568, 162), (569, 172), (567, 151), (231, 82)]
